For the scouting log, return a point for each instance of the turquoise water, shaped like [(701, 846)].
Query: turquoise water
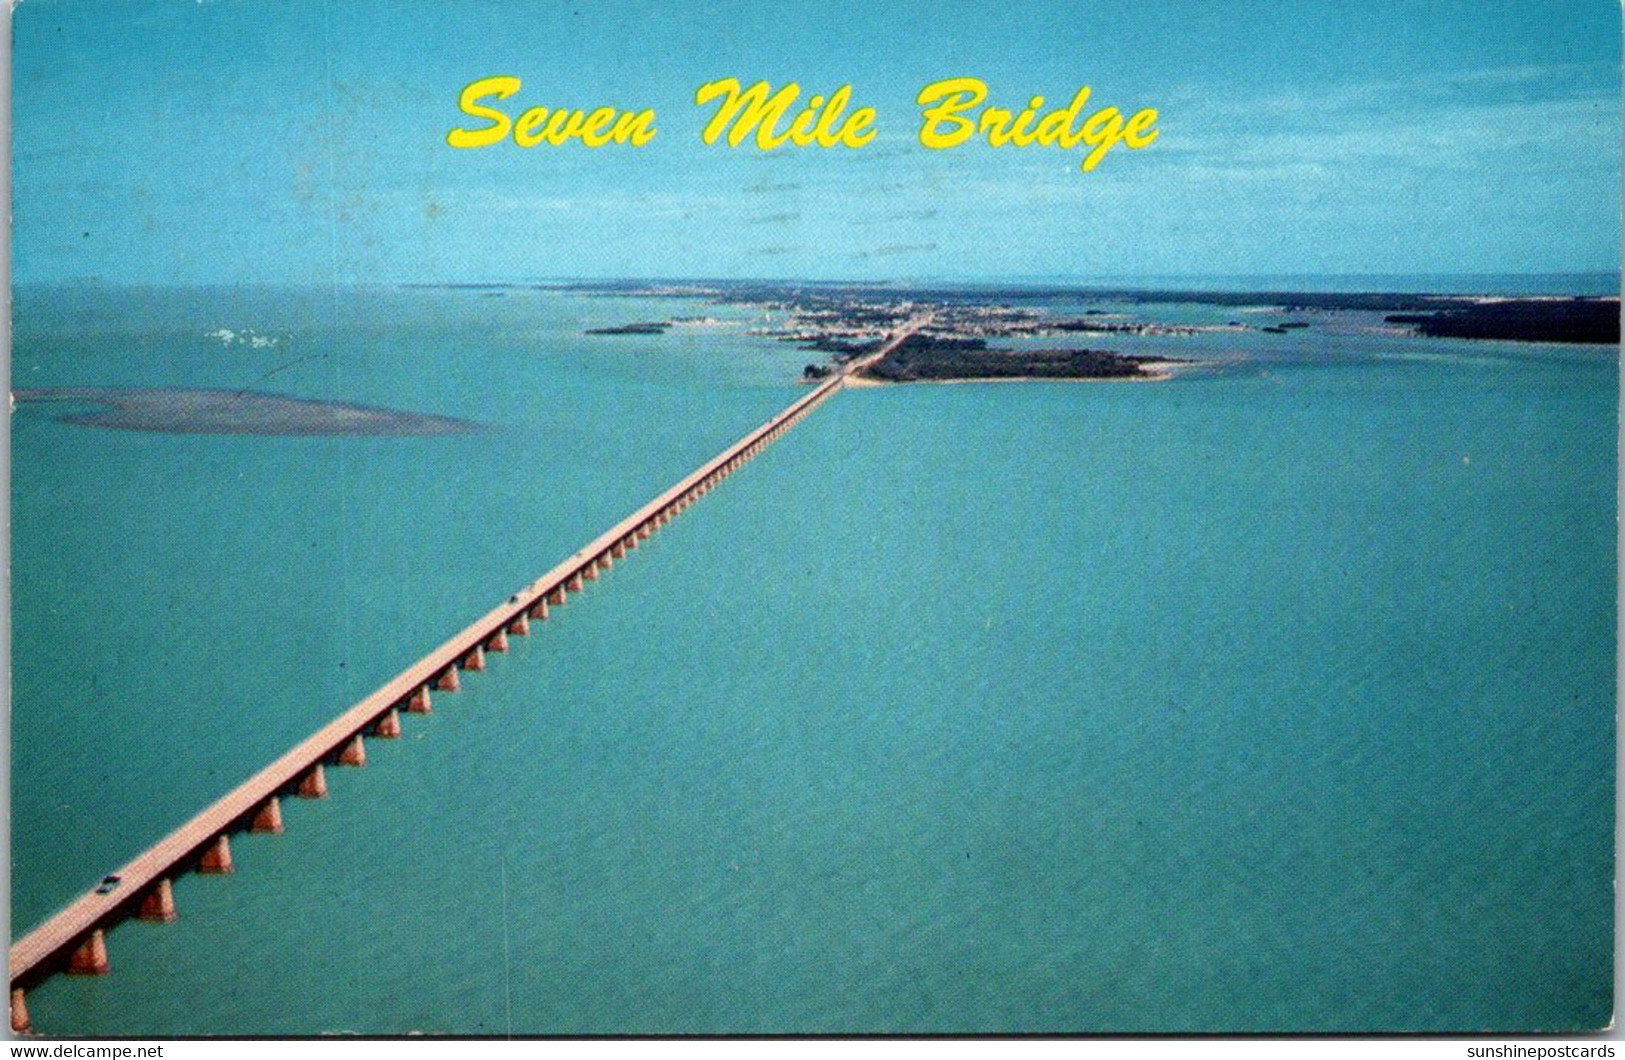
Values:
[(1272, 698)]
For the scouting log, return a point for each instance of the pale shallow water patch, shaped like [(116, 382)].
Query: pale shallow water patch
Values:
[(198, 411)]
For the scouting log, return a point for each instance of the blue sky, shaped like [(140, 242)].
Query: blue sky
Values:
[(177, 141)]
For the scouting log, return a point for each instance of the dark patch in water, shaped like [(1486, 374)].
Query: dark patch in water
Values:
[(188, 411)]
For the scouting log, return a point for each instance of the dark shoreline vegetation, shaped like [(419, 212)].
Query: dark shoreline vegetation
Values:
[(1567, 320), (926, 358), (652, 327), (183, 410)]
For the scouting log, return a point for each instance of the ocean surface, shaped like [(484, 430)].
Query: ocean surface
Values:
[(1277, 697)]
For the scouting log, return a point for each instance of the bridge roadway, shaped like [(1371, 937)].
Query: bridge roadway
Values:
[(73, 939)]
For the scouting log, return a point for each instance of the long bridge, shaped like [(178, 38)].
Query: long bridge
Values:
[(74, 940)]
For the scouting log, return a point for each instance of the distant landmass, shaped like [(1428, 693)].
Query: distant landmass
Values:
[(1537, 320), (828, 313)]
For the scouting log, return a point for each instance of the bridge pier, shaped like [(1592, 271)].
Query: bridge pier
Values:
[(448, 680), (630, 542), (314, 784), (590, 571), (419, 703), (216, 857), (90, 958), (19, 1011), (605, 561), (158, 907), (574, 583), (475, 659), (617, 550), (520, 626), (354, 753), (498, 641), (389, 726), (268, 821), (538, 610)]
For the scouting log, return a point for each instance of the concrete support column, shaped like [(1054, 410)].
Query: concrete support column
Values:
[(158, 907), (389, 726), (538, 610), (475, 659), (314, 784), (590, 571), (91, 956), (498, 641), (574, 584), (19, 1011), (520, 626), (605, 561), (617, 550), (159, 904), (268, 821), (556, 597), (419, 703), (629, 544), (354, 753), (448, 680), (216, 857)]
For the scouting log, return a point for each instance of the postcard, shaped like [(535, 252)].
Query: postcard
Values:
[(542, 519)]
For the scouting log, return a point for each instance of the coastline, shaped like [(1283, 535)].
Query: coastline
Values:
[(1155, 372)]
